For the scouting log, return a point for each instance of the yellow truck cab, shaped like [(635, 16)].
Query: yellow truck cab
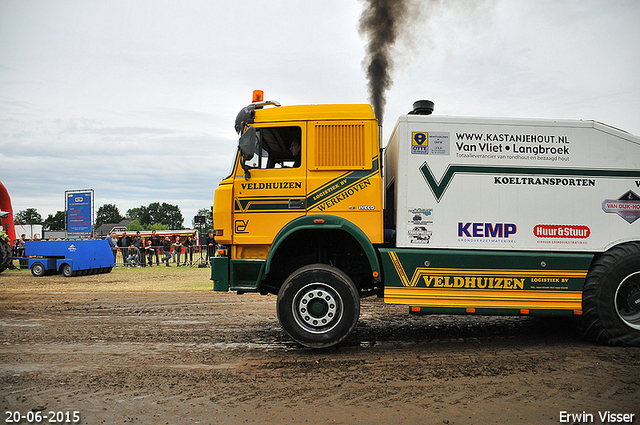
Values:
[(305, 188)]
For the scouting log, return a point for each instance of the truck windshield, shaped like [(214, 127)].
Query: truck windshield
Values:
[(233, 165)]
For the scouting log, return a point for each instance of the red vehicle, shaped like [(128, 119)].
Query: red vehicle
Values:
[(8, 233)]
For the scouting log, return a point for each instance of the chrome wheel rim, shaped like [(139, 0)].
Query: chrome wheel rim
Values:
[(38, 269), (317, 308), (628, 300)]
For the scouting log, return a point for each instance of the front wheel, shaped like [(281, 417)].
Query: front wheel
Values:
[(318, 306), (37, 269), (611, 297)]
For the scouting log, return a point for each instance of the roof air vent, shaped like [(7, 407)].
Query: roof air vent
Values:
[(422, 107)]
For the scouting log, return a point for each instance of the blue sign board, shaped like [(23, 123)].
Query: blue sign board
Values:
[(79, 217)]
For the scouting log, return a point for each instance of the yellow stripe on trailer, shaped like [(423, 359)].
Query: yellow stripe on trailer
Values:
[(450, 298)]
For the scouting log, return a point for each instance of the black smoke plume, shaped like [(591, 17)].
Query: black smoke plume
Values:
[(381, 22)]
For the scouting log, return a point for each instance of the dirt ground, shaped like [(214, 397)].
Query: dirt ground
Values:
[(158, 346)]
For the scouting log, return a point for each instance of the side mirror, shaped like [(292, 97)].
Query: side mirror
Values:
[(249, 143)]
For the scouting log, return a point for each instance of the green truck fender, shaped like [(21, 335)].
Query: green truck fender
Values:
[(321, 221), (245, 275)]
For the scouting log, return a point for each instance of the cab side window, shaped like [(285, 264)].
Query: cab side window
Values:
[(281, 147)]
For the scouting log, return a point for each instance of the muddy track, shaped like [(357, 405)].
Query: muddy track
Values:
[(204, 357)]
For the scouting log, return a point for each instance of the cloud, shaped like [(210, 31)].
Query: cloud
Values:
[(540, 59)]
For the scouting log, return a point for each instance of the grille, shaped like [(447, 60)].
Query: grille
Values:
[(340, 146)]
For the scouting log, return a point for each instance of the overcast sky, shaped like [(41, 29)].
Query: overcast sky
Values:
[(136, 99)]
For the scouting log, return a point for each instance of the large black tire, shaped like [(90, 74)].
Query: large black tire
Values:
[(318, 306), (611, 297), (38, 269), (5, 255)]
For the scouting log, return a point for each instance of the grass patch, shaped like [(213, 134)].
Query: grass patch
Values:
[(120, 279)]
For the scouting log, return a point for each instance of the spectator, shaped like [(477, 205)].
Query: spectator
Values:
[(166, 247), (138, 242), (156, 243), (113, 246), (177, 250), (134, 256), (124, 243), (211, 245), (188, 244), (18, 247), (149, 249)]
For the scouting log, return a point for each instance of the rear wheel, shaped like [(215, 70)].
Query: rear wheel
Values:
[(37, 269), (318, 306), (66, 270), (611, 297)]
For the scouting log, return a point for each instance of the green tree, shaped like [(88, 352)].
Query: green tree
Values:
[(55, 222), (203, 228), (141, 214), (158, 226), (108, 213), (135, 226), (28, 216), (166, 214)]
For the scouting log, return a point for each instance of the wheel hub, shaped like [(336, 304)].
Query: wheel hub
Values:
[(628, 300), (317, 308)]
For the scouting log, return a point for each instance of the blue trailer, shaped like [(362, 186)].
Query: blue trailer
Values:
[(70, 258)]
